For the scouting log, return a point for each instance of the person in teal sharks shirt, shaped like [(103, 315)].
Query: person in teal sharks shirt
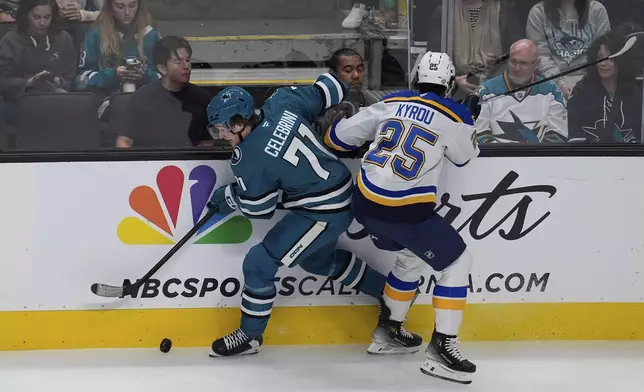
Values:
[(122, 34)]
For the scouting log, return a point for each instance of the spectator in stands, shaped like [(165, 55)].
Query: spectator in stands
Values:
[(349, 66), (483, 30), (529, 116), (563, 30), (606, 105), (37, 56), (76, 11), (116, 52), (8, 9), (171, 112)]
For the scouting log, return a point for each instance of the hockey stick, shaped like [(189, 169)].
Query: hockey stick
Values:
[(496, 62), (106, 290), (629, 44)]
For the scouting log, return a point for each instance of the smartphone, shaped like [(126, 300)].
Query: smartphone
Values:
[(132, 63)]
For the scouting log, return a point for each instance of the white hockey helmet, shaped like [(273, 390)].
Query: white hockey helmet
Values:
[(436, 68)]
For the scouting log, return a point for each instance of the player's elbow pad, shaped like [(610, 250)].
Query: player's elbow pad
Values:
[(331, 89)]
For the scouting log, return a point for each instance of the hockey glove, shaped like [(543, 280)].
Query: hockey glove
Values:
[(224, 200)]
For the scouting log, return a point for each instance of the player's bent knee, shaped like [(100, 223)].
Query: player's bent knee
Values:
[(259, 267), (457, 273), (408, 267)]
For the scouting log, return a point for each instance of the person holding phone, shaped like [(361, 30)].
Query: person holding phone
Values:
[(117, 50), (37, 56)]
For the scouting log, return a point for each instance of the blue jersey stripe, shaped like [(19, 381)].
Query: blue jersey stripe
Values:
[(450, 292), (401, 284)]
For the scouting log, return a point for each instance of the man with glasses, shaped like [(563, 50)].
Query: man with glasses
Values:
[(532, 115)]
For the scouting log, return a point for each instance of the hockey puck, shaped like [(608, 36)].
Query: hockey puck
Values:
[(166, 345)]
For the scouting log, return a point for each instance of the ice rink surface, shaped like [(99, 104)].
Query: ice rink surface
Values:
[(502, 367)]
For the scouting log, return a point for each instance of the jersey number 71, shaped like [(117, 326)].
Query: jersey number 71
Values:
[(394, 134), (298, 148)]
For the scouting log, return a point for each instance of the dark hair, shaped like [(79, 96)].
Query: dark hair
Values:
[(625, 63), (334, 62), (552, 11), (166, 47), (22, 24)]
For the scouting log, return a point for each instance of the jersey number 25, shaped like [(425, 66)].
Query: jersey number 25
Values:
[(394, 134)]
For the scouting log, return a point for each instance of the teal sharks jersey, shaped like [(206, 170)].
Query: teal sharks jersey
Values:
[(283, 155)]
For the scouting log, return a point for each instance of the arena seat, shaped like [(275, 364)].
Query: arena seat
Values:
[(118, 107), (58, 121)]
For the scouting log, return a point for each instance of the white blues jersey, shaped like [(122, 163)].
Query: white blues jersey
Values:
[(412, 134)]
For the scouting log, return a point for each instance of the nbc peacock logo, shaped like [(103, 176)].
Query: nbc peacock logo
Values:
[(158, 211)]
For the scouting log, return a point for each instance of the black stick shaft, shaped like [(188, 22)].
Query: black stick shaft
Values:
[(174, 250), (557, 76)]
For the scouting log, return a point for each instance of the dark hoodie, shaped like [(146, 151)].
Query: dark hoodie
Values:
[(22, 56), (595, 117)]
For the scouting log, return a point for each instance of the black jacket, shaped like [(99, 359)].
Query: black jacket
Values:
[(593, 118)]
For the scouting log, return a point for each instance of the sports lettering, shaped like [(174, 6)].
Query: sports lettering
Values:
[(415, 113), (280, 134), (475, 221)]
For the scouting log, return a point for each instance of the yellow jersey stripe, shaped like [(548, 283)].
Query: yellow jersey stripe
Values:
[(396, 295), (374, 197), (448, 304)]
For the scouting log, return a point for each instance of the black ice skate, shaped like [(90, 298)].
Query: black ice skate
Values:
[(235, 343), (390, 337), (445, 361)]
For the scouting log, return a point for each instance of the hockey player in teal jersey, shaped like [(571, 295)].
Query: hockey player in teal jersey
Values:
[(274, 151)]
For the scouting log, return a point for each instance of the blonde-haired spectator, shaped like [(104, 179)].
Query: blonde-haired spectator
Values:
[(117, 51)]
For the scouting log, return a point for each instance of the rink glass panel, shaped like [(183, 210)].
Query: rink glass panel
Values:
[(69, 214), (260, 45)]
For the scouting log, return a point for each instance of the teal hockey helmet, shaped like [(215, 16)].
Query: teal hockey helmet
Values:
[(230, 102)]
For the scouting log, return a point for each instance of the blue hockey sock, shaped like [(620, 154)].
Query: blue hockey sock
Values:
[(256, 311)]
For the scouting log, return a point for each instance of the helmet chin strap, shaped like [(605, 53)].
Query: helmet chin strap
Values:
[(240, 135)]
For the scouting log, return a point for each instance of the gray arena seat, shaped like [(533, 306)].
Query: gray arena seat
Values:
[(58, 121)]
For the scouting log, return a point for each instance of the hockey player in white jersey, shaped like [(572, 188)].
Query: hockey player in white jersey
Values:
[(395, 198)]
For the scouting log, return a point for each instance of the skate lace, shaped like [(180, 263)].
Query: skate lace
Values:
[(405, 333), (235, 339), (452, 349)]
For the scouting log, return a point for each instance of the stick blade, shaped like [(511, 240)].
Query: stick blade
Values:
[(105, 290), (629, 44)]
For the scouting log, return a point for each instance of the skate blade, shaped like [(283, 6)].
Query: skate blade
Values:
[(388, 349), (251, 351), (438, 370)]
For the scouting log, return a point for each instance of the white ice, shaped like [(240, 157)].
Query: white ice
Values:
[(502, 367)]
